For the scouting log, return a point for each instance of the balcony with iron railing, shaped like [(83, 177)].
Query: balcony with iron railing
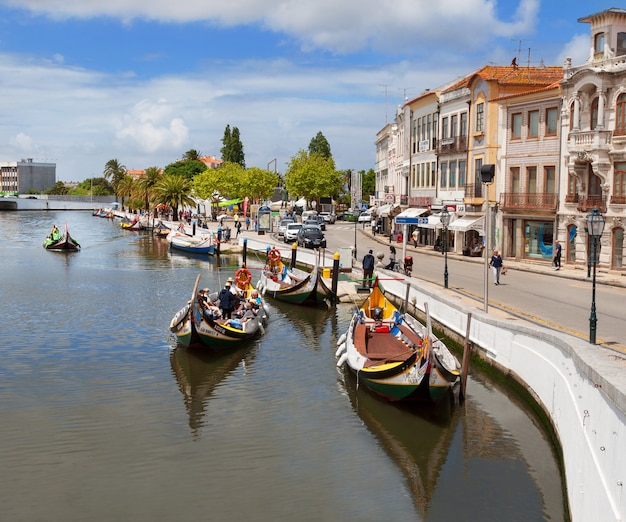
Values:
[(532, 201), (452, 145), (474, 190), (618, 200), (587, 203)]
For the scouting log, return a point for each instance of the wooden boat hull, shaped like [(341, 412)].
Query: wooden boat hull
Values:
[(63, 243), (293, 285), (190, 244), (392, 354)]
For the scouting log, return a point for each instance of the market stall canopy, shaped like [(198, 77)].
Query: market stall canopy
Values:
[(469, 223), (229, 202)]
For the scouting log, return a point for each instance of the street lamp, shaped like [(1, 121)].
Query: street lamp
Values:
[(445, 221), (487, 173), (595, 227)]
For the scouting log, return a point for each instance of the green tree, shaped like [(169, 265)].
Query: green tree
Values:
[(232, 148), (114, 172), (368, 184), (173, 191), (319, 145), (312, 176), (93, 186), (186, 168), (146, 183), (59, 189), (125, 189)]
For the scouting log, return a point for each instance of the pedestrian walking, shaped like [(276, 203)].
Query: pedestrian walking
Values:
[(368, 269), (496, 265), (238, 227), (247, 222), (557, 255)]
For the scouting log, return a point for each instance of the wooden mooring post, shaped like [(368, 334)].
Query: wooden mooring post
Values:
[(467, 349)]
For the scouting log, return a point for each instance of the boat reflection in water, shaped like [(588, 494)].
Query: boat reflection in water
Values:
[(416, 437), (200, 374)]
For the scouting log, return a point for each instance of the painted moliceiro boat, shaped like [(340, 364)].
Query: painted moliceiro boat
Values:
[(191, 244), (200, 321), (392, 353), (134, 224), (291, 285), (58, 241)]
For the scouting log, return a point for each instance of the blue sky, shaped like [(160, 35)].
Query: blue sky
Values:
[(85, 81)]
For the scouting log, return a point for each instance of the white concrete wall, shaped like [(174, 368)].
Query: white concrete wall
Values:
[(580, 386)]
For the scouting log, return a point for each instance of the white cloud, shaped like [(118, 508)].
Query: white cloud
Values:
[(23, 142), (577, 49), (338, 26)]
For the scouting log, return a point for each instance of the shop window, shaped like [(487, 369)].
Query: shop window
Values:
[(538, 239)]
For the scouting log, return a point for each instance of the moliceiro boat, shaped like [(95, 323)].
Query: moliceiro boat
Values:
[(394, 355), (62, 242), (202, 321), (291, 285)]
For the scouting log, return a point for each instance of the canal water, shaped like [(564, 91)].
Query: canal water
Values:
[(104, 418)]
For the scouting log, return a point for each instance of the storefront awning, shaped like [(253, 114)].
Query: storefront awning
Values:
[(434, 221), (469, 223), (410, 216), (411, 212), (386, 210)]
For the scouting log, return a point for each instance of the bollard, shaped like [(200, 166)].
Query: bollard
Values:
[(335, 280), (245, 249), (294, 252)]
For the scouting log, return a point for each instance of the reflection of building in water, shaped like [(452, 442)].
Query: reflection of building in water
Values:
[(199, 374)]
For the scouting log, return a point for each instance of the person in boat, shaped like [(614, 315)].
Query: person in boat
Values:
[(255, 299), (55, 235), (228, 300)]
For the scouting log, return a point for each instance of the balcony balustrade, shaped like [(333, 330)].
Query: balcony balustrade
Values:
[(452, 145), (519, 201), (586, 203)]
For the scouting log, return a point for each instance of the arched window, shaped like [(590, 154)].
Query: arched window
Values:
[(620, 117), (618, 249), (594, 113)]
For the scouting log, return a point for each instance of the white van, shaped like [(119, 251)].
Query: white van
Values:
[(308, 214)]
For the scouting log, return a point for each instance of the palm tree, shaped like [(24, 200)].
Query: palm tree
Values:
[(173, 191), (192, 155), (125, 188), (114, 172), (146, 182)]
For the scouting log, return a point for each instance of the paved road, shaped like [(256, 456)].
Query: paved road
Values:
[(561, 300)]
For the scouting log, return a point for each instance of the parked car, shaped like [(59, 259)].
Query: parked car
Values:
[(321, 222), (311, 237), (283, 226), (328, 217), (311, 223), (291, 233), (365, 217)]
